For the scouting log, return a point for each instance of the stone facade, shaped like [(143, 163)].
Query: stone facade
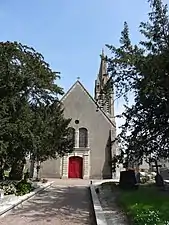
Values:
[(86, 163), (99, 123)]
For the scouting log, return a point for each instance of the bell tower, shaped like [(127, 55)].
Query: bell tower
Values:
[(104, 95)]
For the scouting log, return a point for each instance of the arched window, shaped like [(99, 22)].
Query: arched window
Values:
[(72, 135), (83, 137)]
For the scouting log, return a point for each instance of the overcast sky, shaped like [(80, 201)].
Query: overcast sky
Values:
[(71, 33)]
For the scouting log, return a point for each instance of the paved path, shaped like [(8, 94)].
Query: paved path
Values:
[(58, 205)]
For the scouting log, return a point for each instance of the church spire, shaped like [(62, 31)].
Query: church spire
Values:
[(102, 77), (103, 69), (105, 101), (103, 52)]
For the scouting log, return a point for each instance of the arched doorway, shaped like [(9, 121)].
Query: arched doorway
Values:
[(75, 167)]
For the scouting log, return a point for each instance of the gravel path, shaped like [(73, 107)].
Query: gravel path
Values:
[(113, 214), (55, 206)]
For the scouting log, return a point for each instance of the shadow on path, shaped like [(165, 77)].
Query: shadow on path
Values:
[(56, 205)]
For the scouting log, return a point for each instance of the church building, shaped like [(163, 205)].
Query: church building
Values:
[(94, 130)]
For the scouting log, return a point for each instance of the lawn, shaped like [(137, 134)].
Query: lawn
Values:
[(146, 206)]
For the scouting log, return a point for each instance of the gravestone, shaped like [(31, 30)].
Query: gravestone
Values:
[(158, 178), (164, 173), (128, 180), (138, 177)]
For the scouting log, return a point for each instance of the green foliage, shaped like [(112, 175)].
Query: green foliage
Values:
[(146, 206), (144, 179), (143, 70), (8, 187), (31, 116), (23, 187), (51, 132), (18, 188), (145, 215)]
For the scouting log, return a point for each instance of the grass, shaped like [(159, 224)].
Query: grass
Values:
[(146, 206)]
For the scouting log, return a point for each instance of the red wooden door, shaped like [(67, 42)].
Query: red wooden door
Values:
[(75, 167)]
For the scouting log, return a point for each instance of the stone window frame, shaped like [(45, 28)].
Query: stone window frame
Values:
[(83, 140)]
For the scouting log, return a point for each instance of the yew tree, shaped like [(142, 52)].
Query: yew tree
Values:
[(31, 115)]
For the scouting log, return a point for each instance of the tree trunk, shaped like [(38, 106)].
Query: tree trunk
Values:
[(38, 170), (2, 170), (1, 173), (16, 172), (31, 169)]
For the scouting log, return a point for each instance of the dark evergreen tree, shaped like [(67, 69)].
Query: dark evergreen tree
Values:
[(143, 69), (31, 116)]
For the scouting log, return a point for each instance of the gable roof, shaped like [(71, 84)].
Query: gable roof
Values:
[(92, 99)]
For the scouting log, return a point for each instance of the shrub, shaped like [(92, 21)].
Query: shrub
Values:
[(23, 187), (8, 187), (144, 179)]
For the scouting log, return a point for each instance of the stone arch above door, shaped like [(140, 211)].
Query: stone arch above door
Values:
[(64, 164)]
